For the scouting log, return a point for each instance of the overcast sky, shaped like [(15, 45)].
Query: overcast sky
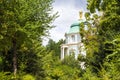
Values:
[(68, 11)]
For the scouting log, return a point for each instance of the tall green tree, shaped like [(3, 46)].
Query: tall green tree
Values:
[(101, 39), (22, 22), (108, 28), (89, 32), (55, 46)]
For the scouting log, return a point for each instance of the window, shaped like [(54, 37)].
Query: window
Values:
[(73, 38)]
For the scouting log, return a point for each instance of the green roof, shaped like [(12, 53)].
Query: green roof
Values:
[(75, 27), (75, 24)]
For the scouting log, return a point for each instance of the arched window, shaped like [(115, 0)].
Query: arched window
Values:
[(73, 38)]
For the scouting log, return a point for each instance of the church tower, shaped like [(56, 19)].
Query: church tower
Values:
[(73, 42)]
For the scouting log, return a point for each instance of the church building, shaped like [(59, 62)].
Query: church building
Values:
[(73, 42)]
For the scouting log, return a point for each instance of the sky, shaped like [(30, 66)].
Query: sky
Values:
[(68, 11)]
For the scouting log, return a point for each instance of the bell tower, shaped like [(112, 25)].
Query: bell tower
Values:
[(73, 39)]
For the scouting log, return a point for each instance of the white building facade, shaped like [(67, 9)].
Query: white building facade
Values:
[(73, 42)]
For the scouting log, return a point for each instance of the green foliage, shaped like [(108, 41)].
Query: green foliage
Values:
[(101, 39), (89, 75), (89, 32), (6, 76), (28, 77), (1, 61), (92, 4), (54, 68), (23, 23), (69, 60), (103, 45), (55, 46)]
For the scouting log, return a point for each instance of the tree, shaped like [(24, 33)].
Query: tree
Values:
[(55, 46), (102, 46), (23, 22), (89, 35), (108, 28), (56, 69)]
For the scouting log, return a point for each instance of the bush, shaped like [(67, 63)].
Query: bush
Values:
[(6, 76), (28, 77)]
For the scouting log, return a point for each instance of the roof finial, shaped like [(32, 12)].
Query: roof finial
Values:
[(80, 14)]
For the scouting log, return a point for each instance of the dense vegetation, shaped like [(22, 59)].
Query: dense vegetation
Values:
[(23, 23), (102, 40)]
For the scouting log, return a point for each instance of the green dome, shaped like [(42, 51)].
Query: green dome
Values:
[(75, 24), (75, 27)]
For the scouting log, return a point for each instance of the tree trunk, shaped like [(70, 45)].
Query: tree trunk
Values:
[(14, 57)]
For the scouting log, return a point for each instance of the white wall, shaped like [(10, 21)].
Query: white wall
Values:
[(69, 38)]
